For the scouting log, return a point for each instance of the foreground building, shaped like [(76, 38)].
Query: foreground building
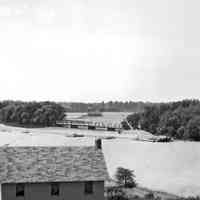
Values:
[(45, 173)]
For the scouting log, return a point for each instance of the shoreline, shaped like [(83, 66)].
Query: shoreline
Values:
[(137, 135)]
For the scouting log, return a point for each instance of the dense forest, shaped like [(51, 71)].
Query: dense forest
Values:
[(31, 113), (180, 120), (111, 106)]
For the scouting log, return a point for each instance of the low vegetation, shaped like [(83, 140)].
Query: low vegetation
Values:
[(125, 177), (31, 113), (180, 120)]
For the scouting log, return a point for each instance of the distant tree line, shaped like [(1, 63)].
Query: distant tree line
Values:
[(31, 113), (180, 120), (111, 106)]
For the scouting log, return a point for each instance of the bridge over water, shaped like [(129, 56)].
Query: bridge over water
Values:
[(90, 125)]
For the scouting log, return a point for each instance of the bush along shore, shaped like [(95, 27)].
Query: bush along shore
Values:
[(180, 120), (31, 114)]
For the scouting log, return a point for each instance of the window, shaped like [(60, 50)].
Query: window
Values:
[(89, 187), (20, 190), (55, 189)]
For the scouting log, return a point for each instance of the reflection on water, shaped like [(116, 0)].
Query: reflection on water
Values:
[(108, 117)]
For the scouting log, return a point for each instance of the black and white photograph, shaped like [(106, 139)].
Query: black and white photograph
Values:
[(99, 100)]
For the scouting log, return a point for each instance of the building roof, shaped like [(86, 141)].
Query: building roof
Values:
[(51, 164)]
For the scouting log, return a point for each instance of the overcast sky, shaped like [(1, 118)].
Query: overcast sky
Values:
[(95, 50)]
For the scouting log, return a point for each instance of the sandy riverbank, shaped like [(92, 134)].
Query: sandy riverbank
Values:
[(138, 135)]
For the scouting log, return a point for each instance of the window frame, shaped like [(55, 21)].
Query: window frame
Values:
[(56, 187), (20, 190), (88, 187)]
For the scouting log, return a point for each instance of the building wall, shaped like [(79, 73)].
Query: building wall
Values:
[(42, 191)]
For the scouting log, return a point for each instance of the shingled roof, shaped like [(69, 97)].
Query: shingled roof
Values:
[(51, 164)]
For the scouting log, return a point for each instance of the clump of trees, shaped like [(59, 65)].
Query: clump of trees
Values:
[(125, 177), (31, 113), (180, 120)]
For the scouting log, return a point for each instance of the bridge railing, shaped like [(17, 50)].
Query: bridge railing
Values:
[(89, 124)]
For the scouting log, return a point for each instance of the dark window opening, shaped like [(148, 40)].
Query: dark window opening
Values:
[(20, 190), (89, 187), (55, 189)]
